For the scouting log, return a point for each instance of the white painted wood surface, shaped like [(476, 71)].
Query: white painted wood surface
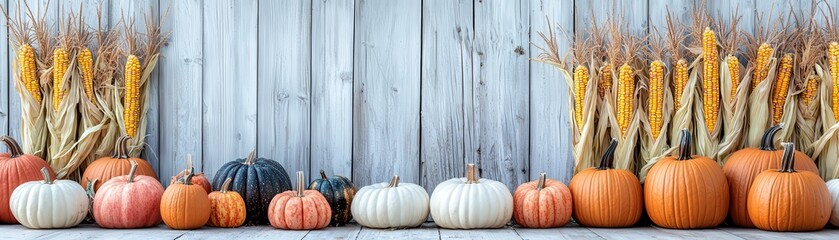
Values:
[(7, 91)]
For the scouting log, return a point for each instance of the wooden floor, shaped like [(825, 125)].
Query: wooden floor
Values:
[(427, 231)]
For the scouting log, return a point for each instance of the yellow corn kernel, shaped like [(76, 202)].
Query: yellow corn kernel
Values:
[(711, 79), (625, 97), (761, 69), (580, 84), (29, 71), (734, 71), (605, 84), (131, 102), (60, 65), (833, 60), (85, 60), (680, 79), (779, 96), (656, 97), (810, 90)]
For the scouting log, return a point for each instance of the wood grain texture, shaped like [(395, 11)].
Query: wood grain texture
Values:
[(230, 71), (87, 9), (482, 234), (245, 232), (681, 11), (349, 231), (332, 86), (447, 55), (570, 232), (284, 92), (7, 81), (649, 232), (632, 14), (550, 135), (428, 231), (724, 9), (181, 72), (498, 106), (386, 92)]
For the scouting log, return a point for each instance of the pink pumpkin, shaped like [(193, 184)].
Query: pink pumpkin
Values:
[(128, 201)]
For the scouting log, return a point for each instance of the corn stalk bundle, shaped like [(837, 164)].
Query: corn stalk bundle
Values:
[(655, 119), (734, 92), (809, 49), (62, 97), (105, 94), (770, 83), (826, 147)]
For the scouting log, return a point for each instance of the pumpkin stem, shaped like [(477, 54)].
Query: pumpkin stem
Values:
[(684, 146), (301, 183), (188, 178), (188, 162), (323, 174), (46, 174), (788, 160), (608, 159), (767, 142), (251, 157), (226, 185), (541, 184), (394, 181), (121, 150), (14, 148), (471, 174), (132, 171)]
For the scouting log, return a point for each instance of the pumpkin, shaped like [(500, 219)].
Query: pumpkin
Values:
[(227, 208), (17, 168), (469, 203), (185, 205), (833, 188), (197, 178), (257, 180), (299, 210), (686, 192), (49, 203), (544, 203), (105, 168), (787, 200), (743, 166), (606, 197), (339, 192), (130, 201), (391, 205)]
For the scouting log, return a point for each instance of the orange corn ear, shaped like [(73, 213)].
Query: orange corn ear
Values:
[(810, 90), (85, 60), (656, 97), (29, 71), (734, 71), (711, 79), (580, 84), (833, 60), (625, 99), (779, 96), (131, 103), (60, 65), (680, 79), (605, 84), (761, 69)]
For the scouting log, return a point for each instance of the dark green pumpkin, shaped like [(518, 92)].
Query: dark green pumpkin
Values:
[(257, 180), (339, 192)]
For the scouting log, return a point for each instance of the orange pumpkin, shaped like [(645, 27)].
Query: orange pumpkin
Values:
[(105, 168), (789, 200), (299, 210), (184, 205), (227, 209), (606, 197), (686, 191), (544, 203), (197, 178), (17, 168), (744, 165)]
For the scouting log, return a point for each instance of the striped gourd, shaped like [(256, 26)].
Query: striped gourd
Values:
[(809, 94), (654, 104), (761, 69), (779, 96), (131, 102), (833, 61), (29, 71), (625, 99), (680, 79), (711, 79), (85, 60), (580, 84), (734, 72), (605, 84), (60, 65)]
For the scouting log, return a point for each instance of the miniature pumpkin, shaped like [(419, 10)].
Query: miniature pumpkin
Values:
[(257, 180), (49, 203), (686, 191), (227, 208), (788, 200), (833, 188), (391, 205), (185, 205), (17, 168), (105, 168), (339, 192), (130, 201), (743, 166), (299, 210), (606, 197), (544, 203), (197, 178), (468, 203)]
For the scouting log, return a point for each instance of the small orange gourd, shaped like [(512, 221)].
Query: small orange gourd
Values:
[(227, 208), (184, 205), (105, 168), (299, 210), (197, 178), (544, 203)]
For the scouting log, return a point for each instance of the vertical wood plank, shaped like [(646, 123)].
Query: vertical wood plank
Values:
[(180, 88), (332, 85), (86, 9), (283, 94), (230, 74), (499, 104), (550, 135), (679, 10), (631, 14), (386, 92), (447, 52), (7, 91), (746, 8)]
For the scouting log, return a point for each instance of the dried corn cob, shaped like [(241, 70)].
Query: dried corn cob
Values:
[(680, 79), (656, 97), (810, 89), (833, 61), (625, 97), (29, 70), (779, 96), (761, 69), (131, 113), (734, 71), (60, 65), (86, 65), (711, 79), (580, 84), (605, 84)]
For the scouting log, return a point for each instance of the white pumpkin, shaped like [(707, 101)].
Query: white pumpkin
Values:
[(833, 187), (468, 203), (390, 205), (49, 203)]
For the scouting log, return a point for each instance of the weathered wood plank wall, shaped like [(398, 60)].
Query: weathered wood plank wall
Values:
[(367, 88)]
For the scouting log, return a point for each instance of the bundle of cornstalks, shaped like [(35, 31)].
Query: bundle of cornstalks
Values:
[(62, 97), (826, 147), (622, 109), (707, 111), (809, 49), (659, 100), (734, 93), (101, 92), (770, 83)]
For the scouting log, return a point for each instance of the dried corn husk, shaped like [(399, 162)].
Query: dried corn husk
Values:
[(583, 139), (808, 122), (826, 147), (733, 111), (656, 147), (33, 125), (62, 123), (759, 102), (136, 144), (625, 150)]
